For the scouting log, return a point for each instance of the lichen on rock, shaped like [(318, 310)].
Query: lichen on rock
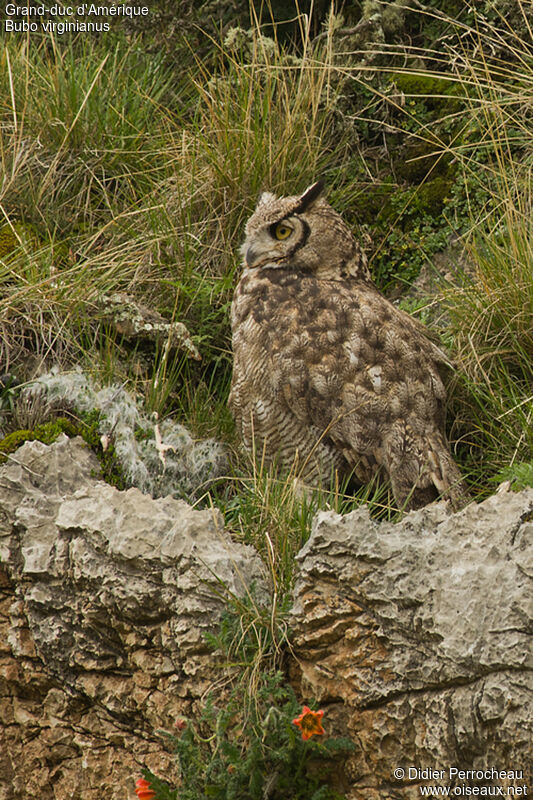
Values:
[(134, 320)]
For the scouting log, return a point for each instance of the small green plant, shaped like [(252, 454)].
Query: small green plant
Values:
[(255, 753), (253, 740), (520, 476), (252, 635)]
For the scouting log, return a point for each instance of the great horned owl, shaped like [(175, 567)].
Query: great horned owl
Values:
[(328, 375)]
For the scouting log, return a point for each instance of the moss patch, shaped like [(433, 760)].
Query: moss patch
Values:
[(86, 427), (437, 93), (17, 235)]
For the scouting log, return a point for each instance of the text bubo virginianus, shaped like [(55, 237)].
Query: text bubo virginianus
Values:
[(328, 375)]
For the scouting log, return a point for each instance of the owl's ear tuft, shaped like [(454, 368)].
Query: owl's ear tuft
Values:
[(266, 197), (310, 196)]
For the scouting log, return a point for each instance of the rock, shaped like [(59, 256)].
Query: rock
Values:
[(419, 637), (105, 597), (415, 637)]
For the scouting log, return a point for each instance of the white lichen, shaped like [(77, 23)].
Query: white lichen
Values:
[(134, 320), (139, 439)]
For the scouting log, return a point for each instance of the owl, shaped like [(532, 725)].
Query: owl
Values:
[(328, 376)]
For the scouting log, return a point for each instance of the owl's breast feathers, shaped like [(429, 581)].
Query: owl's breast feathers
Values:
[(337, 352)]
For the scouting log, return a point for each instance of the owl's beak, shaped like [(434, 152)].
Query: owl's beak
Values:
[(250, 257)]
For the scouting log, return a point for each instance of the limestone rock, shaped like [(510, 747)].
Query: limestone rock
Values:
[(418, 638), (104, 600), (415, 637)]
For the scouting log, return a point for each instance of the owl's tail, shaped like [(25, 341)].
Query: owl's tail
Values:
[(445, 475), (422, 470)]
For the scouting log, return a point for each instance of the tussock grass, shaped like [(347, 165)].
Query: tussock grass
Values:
[(78, 135), (491, 311), (495, 350), (274, 512), (77, 155)]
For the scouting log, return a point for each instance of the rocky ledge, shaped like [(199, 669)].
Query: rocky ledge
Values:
[(105, 597), (419, 635), (415, 637)]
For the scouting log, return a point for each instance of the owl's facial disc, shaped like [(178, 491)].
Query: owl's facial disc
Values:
[(273, 243)]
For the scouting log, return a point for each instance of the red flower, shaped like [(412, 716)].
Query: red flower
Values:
[(309, 722), (143, 791)]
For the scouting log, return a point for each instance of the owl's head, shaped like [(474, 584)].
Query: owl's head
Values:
[(302, 232)]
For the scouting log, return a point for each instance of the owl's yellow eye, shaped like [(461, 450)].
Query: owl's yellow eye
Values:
[(282, 230)]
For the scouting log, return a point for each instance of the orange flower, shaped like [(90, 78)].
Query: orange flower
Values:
[(143, 791), (309, 722)]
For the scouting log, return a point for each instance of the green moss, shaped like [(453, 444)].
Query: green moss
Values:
[(431, 196), (46, 433), (86, 427), (437, 93), (372, 201), (16, 235), (425, 102), (12, 441)]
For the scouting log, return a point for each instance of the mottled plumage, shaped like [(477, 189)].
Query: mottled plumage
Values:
[(328, 375)]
